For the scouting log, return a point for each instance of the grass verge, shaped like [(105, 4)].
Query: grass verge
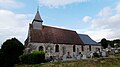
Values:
[(98, 62)]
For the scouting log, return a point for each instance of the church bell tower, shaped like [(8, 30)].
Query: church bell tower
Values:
[(37, 21)]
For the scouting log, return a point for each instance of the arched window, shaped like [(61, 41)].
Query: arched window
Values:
[(77, 50), (74, 48), (57, 48), (41, 48), (89, 48), (82, 48)]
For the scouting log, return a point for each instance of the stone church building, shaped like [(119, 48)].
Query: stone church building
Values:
[(54, 41)]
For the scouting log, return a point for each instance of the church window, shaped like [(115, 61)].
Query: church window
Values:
[(41, 48), (89, 48), (82, 48), (74, 48), (77, 50), (57, 48)]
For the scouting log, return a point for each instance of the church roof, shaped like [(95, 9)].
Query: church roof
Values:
[(54, 35), (87, 40), (38, 17)]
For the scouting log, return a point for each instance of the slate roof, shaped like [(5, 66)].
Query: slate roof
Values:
[(54, 35), (87, 40)]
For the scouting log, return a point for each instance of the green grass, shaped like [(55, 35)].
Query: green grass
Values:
[(112, 61), (101, 62), (117, 55)]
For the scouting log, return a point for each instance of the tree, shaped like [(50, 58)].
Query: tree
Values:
[(1, 59), (111, 43), (104, 43), (117, 43), (12, 49)]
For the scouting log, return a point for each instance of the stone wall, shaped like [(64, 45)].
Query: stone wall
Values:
[(50, 48), (93, 48)]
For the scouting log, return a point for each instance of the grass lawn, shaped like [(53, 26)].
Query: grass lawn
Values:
[(101, 62), (113, 61)]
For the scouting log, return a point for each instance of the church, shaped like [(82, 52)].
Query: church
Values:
[(54, 41)]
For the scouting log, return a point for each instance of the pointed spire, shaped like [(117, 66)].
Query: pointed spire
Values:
[(37, 16), (38, 8)]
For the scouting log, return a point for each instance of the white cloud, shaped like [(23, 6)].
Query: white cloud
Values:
[(86, 19), (105, 27), (109, 22), (99, 34), (105, 11), (13, 25), (118, 8), (57, 3), (10, 3)]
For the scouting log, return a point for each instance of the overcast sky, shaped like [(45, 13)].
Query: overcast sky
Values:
[(97, 18)]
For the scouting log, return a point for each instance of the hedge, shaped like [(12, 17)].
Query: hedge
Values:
[(33, 58)]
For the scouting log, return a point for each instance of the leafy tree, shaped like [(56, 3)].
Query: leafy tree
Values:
[(1, 59), (12, 49), (104, 43), (116, 41), (111, 43)]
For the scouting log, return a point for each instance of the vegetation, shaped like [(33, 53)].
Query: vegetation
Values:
[(101, 62), (104, 43), (111, 43), (1, 58), (10, 52), (33, 58), (114, 43), (111, 61), (117, 41)]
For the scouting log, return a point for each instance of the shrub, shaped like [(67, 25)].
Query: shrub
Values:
[(33, 58)]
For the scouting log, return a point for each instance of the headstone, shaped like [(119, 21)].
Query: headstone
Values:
[(103, 53), (84, 57)]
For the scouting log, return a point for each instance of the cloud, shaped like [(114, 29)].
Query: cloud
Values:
[(10, 3), (99, 34), (13, 25), (86, 19), (105, 27), (118, 8), (109, 22), (58, 3), (106, 11)]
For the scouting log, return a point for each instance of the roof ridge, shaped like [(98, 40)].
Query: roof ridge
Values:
[(59, 28)]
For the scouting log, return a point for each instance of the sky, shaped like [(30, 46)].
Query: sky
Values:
[(96, 18)]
